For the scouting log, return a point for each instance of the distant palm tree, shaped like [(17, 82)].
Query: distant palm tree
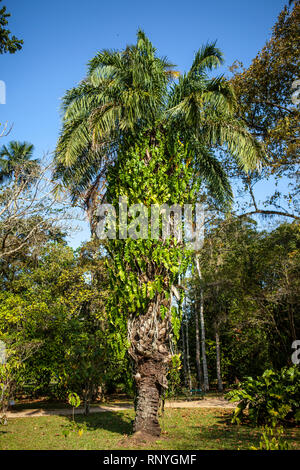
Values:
[(16, 158)]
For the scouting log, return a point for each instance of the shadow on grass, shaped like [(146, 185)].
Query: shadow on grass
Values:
[(216, 439), (60, 405), (113, 421), (219, 435), (40, 405)]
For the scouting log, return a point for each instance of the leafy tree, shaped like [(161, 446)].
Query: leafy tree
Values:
[(251, 291), (265, 95), (8, 43), (280, 296), (55, 306), (149, 138), (29, 214), (17, 353)]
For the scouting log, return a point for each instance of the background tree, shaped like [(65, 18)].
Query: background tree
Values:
[(251, 289), (29, 214), (8, 43), (265, 95), (53, 304)]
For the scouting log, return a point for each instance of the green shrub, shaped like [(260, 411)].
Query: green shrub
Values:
[(272, 439), (269, 399)]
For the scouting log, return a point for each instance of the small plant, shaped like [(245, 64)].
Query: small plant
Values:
[(272, 439), (174, 380), (74, 401)]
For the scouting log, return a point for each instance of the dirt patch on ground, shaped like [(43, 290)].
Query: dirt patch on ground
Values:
[(140, 439)]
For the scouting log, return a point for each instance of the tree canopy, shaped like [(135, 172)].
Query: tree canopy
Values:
[(8, 43)]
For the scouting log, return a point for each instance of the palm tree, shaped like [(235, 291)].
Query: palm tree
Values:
[(132, 93), (16, 159), (125, 92)]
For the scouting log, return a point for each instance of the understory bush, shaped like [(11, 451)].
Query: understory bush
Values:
[(269, 399)]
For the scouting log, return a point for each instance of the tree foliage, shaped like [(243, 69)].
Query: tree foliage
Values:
[(8, 43), (267, 97)]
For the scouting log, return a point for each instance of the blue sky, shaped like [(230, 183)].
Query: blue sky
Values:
[(60, 36)]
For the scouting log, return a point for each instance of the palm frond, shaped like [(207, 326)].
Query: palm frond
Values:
[(206, 58), (134, 91)]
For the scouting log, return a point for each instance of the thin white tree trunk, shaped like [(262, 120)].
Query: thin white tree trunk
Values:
[(188, 355), (184, 355), (219, 377), (198, 358), (202, 324)]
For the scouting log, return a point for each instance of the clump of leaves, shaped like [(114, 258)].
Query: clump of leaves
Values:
[(74, 401), (174, 379), (8, 43), (269, 399), (272, 439)]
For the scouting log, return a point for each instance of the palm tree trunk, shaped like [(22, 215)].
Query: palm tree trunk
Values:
[(149, 391), (219, 377), (148, 335), (202, 324)]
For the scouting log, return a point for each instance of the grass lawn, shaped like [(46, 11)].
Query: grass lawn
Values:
[(183, 429)]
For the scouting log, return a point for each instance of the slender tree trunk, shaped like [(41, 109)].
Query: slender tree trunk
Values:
[(198, 358), (292, 322), (148, 335), (4, 403), (86, 406), (184, 351), (184, 355), (219, 377), (203, 348), (188, 355), (87, 397), (202, 324)]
